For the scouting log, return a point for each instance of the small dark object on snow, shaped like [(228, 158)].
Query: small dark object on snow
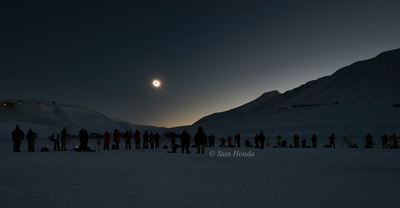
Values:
[(44, 149)]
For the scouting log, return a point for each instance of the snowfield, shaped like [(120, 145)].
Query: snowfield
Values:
[(273, 177)]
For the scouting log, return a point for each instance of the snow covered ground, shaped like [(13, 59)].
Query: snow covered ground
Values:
[(273, 177)]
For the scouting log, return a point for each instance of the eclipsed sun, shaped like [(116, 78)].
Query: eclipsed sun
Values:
[(156, 83)]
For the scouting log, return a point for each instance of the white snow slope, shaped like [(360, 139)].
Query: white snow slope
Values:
[(43, 118), (373, 80)]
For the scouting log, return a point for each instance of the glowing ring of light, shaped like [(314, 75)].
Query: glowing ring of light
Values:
[(156, 83)]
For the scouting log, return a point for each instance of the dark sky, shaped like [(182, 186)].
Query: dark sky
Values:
[(210, 56)]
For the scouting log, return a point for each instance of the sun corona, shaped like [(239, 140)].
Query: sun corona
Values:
[(156, 83)]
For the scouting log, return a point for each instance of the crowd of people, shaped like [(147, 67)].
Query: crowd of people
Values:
[(201, 140)]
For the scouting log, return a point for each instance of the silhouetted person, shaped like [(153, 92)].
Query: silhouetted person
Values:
[(368, 140), (136, 135), (31, 136), (256, 138), (385, 140), (229, 141), (200, 138), (296, 140), (185, 141), (237, 139), (279, 141), (146, 140), (222, 142), (212, 141), (17, 137), (303, 143), (152, 140), (64, 135), (332, 140), (261, 137), (107, 140), (284, 142), (247, 143), (157, 138), (127, 137), (351, 141), (173, 138), (314, 141), (84, 139), (56, 140), (116, 138)]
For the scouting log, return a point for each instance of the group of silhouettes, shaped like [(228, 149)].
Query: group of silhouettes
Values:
[(152, 140)]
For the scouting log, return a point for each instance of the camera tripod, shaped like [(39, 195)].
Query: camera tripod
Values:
[(99, 143)]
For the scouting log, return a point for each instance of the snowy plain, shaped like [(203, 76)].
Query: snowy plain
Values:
[(270, 177)]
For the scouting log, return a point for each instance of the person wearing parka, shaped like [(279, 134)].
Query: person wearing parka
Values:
[(64, 135), (157, 137), (30, 136), (127, 137), (17, 136), (185, 141), (136, 135), (229, 141), (200, 138), (84, 139), (145, 140), (107, 140), (116, 138)]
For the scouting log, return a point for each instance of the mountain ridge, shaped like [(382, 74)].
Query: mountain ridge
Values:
[(371, 80)]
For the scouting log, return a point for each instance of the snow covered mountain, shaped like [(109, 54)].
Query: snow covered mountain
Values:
[(43, 117), (372, 80)]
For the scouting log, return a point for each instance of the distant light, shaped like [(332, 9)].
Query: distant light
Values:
[(156, 83)]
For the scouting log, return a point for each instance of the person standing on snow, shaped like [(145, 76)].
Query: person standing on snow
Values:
[(56, 139), (351, 141), (31, 136), (314, 141), (64, 135), (212, 140), (157, 138), (145, 140), (296, 140), (261, 137), (279, 142), (229, 141), (136, 135), (237, 138), (173, 138), (127, 137), (84, 139), (185, 141), (332, 140), (107, 140), (200, 138), (152, 140), (17, 137), (116, 138), (256, 139)]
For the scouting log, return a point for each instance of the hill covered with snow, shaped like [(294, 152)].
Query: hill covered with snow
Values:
[(372, 80), (43, 117)]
